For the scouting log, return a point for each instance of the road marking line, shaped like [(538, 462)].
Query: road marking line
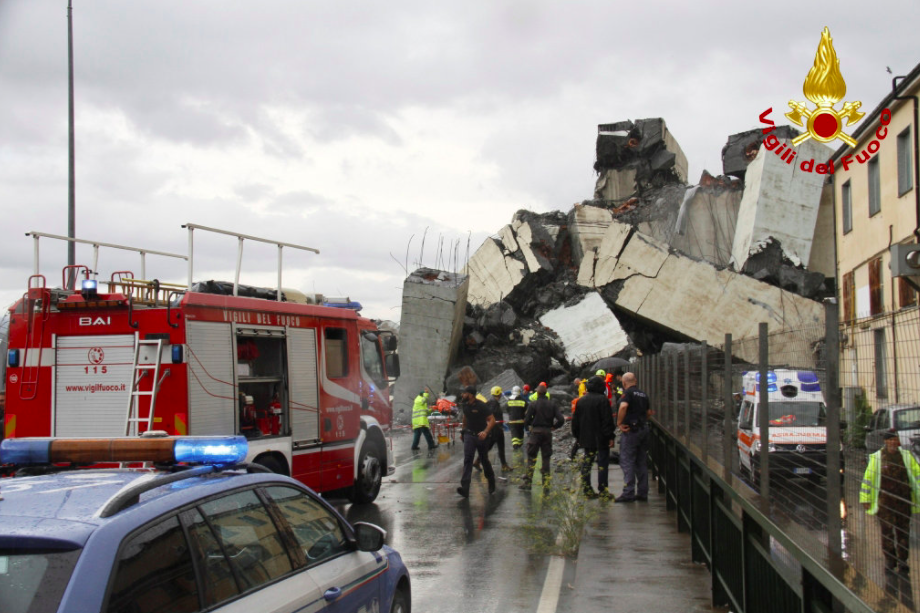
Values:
[(552, 586), (549, 599)]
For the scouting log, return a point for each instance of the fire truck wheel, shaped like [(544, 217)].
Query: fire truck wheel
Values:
[(370, 475), (271, 464)]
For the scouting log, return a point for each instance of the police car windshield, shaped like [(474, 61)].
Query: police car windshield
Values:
[(797, 414), (907, 419), (34, 582)]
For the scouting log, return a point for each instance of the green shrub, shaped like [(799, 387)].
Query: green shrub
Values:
[(557, 521), (856, 432)]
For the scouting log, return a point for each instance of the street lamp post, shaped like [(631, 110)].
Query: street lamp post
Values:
[(71, 202)]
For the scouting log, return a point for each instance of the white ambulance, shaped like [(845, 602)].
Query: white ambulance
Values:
[(798, 432)]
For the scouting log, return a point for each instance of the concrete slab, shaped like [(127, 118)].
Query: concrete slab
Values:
[(431, 323), (615, 184), (608, 253), (587, 226), (822, 245), (588, 330), (780, 201), (509, 241), (532, 239), (493, 274), (711, 302)]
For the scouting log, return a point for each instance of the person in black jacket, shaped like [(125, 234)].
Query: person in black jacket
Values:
[(478, 422), (543, 416), (592, 427), (497, 437)]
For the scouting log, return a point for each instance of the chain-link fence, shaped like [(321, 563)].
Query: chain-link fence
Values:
[(802, 445)]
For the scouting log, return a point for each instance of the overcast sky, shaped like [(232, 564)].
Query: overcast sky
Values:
[(352, 127)]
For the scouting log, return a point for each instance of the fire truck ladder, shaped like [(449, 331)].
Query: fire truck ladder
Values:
[(134, 419), (35, 335)]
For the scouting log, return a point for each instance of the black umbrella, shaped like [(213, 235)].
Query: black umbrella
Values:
[(609, 364)]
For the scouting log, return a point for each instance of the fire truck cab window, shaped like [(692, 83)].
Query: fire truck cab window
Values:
[(336, 352), (373, 364)]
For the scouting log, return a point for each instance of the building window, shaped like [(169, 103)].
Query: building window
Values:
[(907, 295), (876, 287), (849, 296), (881, 365), (875, 188), (905, 163), (847, 207)]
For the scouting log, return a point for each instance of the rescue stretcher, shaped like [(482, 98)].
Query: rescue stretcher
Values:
[(444, 424)]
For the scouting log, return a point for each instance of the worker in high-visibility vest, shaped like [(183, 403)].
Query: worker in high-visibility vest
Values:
[(891, 492), (420, 426), (517, 407)]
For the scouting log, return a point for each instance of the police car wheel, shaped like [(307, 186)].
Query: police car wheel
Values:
[(370, 475), (400, 602)]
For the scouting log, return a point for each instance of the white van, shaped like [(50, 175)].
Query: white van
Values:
[(798, 417)]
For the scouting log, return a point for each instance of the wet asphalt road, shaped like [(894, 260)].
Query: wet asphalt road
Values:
[(463, 554)]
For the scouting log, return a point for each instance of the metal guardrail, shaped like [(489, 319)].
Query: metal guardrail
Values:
[(773, 541)]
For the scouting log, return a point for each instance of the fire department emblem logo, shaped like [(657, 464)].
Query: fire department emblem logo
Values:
[(800, 448), (96, 355), (340, 422), (825, 87)]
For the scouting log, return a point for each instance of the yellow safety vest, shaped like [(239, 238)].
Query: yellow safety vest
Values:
[(420, 411), (873, 478)]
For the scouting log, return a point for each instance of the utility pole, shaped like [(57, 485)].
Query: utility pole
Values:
[(71, 201)]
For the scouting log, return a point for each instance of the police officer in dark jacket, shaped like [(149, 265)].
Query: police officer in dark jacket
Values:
[(542, 417), (632, 419), (478, 422), (592, 426)]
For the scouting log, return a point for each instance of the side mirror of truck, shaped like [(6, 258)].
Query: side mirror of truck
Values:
[(392, 365)]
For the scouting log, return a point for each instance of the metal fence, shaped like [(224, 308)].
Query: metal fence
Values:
[(785, 529)]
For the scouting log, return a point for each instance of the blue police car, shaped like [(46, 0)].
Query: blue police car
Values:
[(209, 534)]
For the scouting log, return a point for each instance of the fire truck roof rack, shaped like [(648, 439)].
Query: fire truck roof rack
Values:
[(239, 254), (96, 245)]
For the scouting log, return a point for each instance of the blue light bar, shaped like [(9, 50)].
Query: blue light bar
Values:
[(806, 376), (26, 451), (89, 285), (211, 449), (177, 354), (811, 387), (12, 358), (771, 387), (771, 377)]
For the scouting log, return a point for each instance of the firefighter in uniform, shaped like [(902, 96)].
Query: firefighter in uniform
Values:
[(891, 492), (478, 422), (543, 416), (517, 408), (420, 426)]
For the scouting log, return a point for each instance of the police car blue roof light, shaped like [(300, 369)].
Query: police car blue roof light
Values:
[(211, 449), (25, 451), (771, 377), (806, 376)]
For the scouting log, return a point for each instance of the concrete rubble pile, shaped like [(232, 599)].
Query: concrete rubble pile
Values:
[(649, 260)]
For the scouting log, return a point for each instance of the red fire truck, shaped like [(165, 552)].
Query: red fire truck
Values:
[(307, 384)]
